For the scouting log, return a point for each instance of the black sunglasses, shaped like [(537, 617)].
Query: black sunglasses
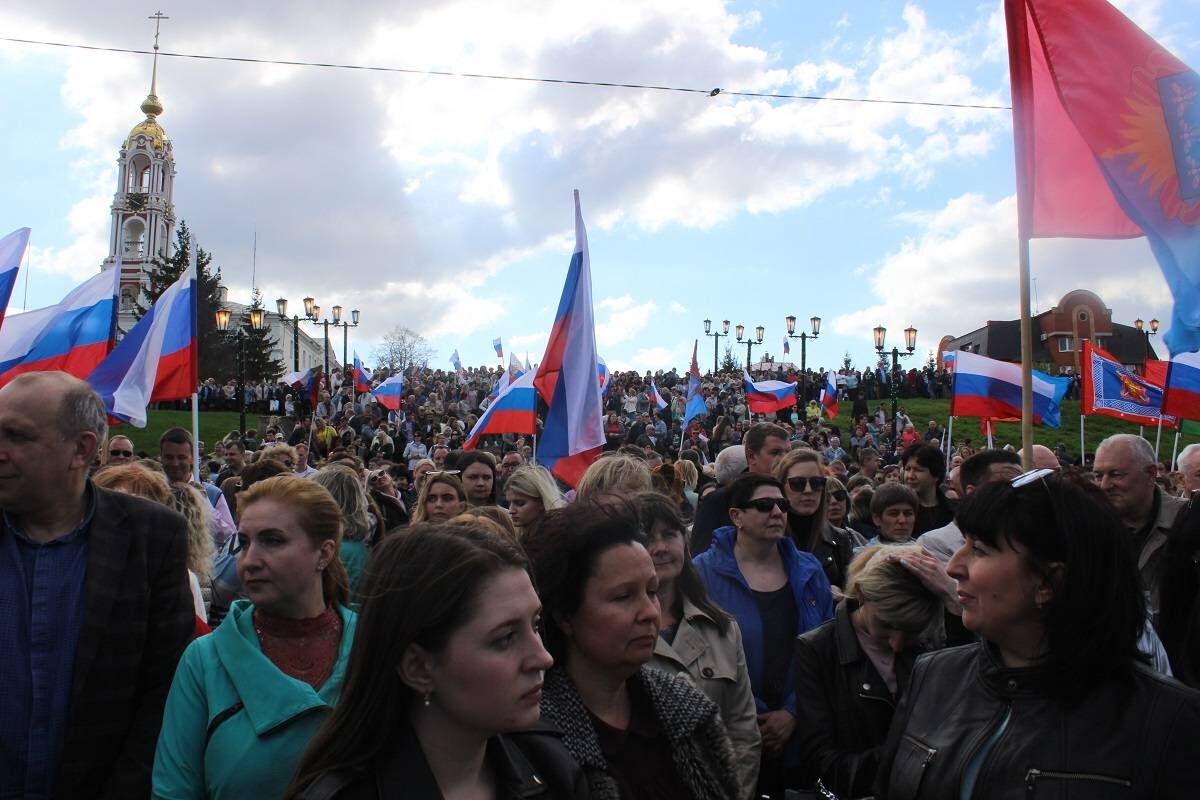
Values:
[(765, 504), (798, 484), (839, 495), (126, 453)]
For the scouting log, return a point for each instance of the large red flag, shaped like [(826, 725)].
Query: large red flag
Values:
[(1104, 125)]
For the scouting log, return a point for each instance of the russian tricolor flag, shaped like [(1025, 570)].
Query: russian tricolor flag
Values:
[(656, 397), (1181, 397), (514, 411), (157, 358), (12, 250), (566, 378), (308, 382), (829, 396), (986, 388), (604, 376), (72, 337), (362, 376), (499, 347), (766, 396), (390, 393)]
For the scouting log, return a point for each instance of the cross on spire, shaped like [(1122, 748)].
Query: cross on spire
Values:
[(152, 106), (158, 17)]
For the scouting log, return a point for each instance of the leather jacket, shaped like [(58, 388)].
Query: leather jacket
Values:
[(530, 765), (843, 706), (1135, 739)]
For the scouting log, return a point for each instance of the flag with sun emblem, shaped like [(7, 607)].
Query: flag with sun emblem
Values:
[(1106, 125)]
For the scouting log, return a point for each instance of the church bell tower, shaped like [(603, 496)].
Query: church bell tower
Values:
[(143, 216)]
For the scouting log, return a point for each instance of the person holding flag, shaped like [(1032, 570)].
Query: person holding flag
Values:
[(695, 405), (362, 377), (656, 397), (829, 396)]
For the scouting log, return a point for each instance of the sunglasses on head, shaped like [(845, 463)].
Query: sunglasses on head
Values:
[(797, 484), (765, 504)]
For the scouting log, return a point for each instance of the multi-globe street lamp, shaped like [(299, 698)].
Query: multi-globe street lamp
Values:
[(716, 337), (257, 320), (910, 344)]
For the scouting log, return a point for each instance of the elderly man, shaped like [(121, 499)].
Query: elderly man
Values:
[(120, 451), (1189, 469), (765, 444), (1125, 470), (95, 608)]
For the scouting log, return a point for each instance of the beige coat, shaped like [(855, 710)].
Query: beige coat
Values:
[(716, 663)]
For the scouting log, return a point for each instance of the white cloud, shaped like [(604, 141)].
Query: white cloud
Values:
[(625, 320), (425, 187), (676, 307), (960, 270)]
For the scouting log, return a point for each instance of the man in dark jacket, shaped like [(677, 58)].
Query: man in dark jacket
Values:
[(765, 444), (95, 608)]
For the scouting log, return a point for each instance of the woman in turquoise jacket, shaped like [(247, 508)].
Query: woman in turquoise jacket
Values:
[(246, 699)]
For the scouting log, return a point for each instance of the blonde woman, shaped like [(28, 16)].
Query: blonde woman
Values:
[(531, 492), (442, 496), (359, 524), (194, 507), (614, 474), (851, 671)]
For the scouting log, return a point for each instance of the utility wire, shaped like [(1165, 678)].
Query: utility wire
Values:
[(488, 76)]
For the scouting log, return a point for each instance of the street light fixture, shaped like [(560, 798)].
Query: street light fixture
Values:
[(910, 344), (1140, 325), (256, 318), (803, 336), (758, 332), (716, 337)]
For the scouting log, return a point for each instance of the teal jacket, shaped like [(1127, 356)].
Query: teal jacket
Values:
[(235, 726), (354, 556)]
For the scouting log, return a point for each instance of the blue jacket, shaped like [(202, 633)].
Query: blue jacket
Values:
[(235, 726), (729, 589)]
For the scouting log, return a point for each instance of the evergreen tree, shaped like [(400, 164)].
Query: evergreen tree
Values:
[(730, 363), (258, 345), (217, 354)]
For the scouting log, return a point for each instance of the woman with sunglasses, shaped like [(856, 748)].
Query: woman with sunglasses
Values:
[(837, 503), (775, 592), (442, 496), (802, 473), (1055, 700)]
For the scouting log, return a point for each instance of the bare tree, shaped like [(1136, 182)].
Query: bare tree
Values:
[(402, 348)]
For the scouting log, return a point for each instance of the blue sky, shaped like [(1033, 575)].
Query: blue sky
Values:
[(445, 204)]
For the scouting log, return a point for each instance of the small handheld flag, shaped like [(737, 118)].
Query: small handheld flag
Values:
[(696, 406), (787, 346), (499, 347), (456, 361), (390, 393), (362, 377), (513, 411), (829, 396), (656, 397)]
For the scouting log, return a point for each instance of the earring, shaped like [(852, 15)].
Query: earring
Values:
[(428, 699)]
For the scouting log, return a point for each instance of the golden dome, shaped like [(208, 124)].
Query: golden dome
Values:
[(151, 107), (149, 128)]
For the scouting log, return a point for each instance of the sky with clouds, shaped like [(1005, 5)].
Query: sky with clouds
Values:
[(444, 204)]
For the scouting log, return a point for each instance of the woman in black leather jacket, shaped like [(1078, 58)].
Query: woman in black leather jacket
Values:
[(851, 671), (1055, 701), (444, 682)]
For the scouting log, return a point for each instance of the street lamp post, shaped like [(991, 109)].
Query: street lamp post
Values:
[(716, 337), (281, 308), (1140, 325), (346, 325), (803, 336), (910, 344), (257, 319), (758, 332)]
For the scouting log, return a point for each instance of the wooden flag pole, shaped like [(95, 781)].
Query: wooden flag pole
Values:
[(1082, 447), (1157, 438), (1175, 452)]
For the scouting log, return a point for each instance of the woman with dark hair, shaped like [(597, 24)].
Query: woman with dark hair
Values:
[(695, 636), (775, 592), (444, 680), (637, 732), (1179, 593), (477, 469), (802, 473), (247, 698), (1055, 700)]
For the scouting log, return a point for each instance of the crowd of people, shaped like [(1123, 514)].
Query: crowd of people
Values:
[(349, 605)]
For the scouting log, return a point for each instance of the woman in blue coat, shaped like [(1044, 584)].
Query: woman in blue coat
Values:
[(776, 592), (247, 698)]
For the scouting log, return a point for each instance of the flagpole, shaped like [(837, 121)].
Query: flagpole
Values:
[(196, 437), (1157, 437), (1026, 360), (1082, 447), (990, 444), (1175, 451), (1142, 431), (949, 441)]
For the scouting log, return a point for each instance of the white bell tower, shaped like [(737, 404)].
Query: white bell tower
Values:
[(143, 216)]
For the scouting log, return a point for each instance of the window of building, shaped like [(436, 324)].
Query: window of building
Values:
[(1065, 344)]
